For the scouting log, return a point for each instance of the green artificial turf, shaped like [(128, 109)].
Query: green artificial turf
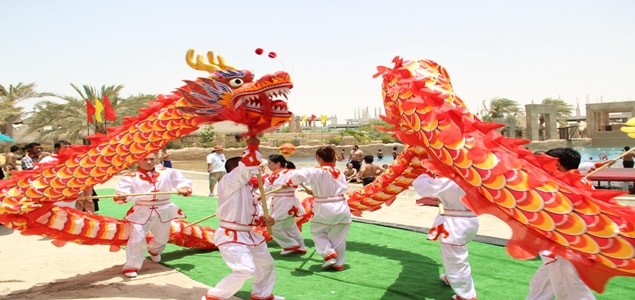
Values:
[(381, 263)]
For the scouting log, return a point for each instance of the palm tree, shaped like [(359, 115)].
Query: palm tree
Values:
[(499, 108), (47, 121), (53, 119), (123, 107), (10, 97), (563, 110)]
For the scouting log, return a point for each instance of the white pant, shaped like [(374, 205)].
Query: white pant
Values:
[(329, 239), (136, 247), (287, 234), (458, 270), (557, 279), (246, 262)]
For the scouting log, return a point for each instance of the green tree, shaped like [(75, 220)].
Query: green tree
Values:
[(563, 110), (499, 108), (54, 119), (67, 117), (369, 132), (10, 97), (207, 136)]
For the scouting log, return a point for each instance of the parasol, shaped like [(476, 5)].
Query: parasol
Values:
[(6, 138)]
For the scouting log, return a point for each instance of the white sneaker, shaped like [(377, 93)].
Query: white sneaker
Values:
[(278, 297), (155, 258), (301, 250), (329, 263), (210, 195), (131, 274)]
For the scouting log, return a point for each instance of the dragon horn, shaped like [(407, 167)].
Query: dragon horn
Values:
[(211, 65)]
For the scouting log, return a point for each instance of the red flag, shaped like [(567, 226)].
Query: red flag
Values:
[(109, 113), (90, 111)]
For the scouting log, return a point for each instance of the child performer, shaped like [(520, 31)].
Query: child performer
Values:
[(285, 207), (557, 278), (150, 212), (244, 251), (331, 218), (456, 225)]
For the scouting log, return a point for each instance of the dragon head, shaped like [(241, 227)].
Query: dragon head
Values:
[(412, 88), (229, 94)]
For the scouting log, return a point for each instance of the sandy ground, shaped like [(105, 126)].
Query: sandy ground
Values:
[(33, 268)]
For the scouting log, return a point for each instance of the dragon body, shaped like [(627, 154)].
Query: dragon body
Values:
[(28, 197), (546, 209)]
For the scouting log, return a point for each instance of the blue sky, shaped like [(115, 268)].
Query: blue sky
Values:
[(522, 50)]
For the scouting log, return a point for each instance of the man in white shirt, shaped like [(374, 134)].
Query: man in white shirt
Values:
[(215, 167)]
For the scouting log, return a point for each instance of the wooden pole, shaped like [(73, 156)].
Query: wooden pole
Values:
[(201, 220), (214, 214), (608, 164), (131, 195), (263, 199)]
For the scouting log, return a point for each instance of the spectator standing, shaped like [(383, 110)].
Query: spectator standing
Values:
[(11, 160), (627, 160), (150, 213), (164, 158), (395, 152), (356, 157), (32, 153), (215, 167)]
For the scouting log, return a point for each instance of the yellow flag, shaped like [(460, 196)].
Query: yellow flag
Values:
[(323, 118), (99, 108), (304, 118)]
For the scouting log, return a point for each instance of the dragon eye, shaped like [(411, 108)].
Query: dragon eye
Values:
[(236, 82)]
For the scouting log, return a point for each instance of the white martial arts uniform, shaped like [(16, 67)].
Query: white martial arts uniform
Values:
[(285, 207), (456, 227), (557, 278), (331, 218), (150, 212), (244, 251)]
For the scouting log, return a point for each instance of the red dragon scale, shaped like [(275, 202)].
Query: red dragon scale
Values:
[(546, 210), (28, 197)]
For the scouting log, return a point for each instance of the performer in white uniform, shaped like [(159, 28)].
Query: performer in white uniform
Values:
[(456, 226), (150, 212), (285, 207), (244, 251), (557, 278), (331, 218)]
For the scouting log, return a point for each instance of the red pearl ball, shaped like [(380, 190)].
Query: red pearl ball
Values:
[(272, 54), (259, 51)]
